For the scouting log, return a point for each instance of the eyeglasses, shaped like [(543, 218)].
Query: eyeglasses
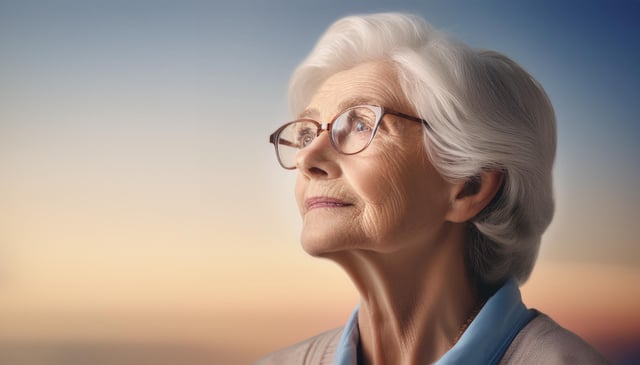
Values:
[(350, 132)]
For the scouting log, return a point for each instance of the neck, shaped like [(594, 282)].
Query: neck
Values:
[(413, 303)]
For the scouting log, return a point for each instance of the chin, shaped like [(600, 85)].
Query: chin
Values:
[(320, 244), (317, 248)]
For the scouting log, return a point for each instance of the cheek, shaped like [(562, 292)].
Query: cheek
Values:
[(384, 169), (403, 195), (384, 191)]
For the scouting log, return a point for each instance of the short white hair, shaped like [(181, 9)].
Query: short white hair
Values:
[(485, 113)]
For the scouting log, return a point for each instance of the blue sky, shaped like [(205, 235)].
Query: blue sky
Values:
[(174, 100)]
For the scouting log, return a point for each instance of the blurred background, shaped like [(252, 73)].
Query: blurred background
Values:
[(144, 218)]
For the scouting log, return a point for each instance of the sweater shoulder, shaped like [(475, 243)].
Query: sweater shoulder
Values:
[(317, 350), (543, 341)]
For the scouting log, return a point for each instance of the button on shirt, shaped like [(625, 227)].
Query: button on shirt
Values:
[(484, 342)]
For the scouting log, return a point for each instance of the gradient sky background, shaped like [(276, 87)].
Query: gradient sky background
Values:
[(141, 203)]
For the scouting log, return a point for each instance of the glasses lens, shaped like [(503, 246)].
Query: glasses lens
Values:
[(292, 138), (352, 130)]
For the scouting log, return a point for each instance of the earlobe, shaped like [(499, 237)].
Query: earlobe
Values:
[(470, 197)]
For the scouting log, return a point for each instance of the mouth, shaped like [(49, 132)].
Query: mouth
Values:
[(324, 202)]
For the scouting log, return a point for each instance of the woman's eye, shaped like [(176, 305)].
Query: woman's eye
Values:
[(307, 140), (361, 126), (304, 139)]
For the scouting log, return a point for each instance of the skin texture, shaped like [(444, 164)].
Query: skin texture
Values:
[(392, 222)]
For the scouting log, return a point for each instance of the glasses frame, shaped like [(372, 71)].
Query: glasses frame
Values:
[(378, 110)]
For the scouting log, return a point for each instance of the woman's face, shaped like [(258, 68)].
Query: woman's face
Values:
[(385, 198)]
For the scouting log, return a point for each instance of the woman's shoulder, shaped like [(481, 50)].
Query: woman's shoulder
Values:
[(317, 350), (543, 341)]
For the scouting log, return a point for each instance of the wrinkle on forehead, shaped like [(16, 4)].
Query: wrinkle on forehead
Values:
[(374, 83)]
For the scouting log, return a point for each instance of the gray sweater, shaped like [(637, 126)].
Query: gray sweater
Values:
[(541, 341)]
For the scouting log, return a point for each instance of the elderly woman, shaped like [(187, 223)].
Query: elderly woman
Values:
[(424, 171)]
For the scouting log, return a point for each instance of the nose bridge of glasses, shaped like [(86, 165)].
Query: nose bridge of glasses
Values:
[(323, 127)]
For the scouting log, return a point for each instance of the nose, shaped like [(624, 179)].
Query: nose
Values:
[(318, 160)]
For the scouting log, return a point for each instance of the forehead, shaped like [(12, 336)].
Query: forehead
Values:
[(367, 83)]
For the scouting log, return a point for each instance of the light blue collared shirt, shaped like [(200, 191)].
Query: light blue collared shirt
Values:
[(484, 342)]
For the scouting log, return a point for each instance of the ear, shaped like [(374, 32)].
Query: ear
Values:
[(468, 198)]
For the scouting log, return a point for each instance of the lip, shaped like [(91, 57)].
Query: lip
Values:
[(324, 202)]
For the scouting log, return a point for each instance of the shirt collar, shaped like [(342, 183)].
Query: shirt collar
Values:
[(347, 351), (484, 342)]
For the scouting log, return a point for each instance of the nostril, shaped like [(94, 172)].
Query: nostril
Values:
[(317, 171)]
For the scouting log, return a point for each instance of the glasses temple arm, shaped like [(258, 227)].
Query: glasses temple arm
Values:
[(284, 142), (409, 117)]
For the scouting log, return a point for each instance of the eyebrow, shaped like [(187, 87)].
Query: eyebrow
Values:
[(350, 102)]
